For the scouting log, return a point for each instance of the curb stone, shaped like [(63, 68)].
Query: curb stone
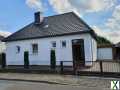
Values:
[(35, 81)]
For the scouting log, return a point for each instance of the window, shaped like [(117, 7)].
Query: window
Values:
[(63, 43), (35, 48), (17, 49), (53, 44)]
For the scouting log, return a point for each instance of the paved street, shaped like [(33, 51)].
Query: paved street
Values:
[(15, 85), (53, 82)]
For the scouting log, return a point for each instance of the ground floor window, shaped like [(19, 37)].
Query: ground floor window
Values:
[(35, 48)]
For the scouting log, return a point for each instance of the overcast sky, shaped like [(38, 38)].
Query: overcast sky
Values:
[(102, 15)]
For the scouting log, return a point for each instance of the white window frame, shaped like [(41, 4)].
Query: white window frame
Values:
[(54, 42), (62, 43), (34, 51)]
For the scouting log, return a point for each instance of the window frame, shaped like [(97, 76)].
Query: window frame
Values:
[(54, 44), (63, 41), (17, 49), (35, 48)]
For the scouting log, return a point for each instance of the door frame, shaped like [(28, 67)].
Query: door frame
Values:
[(78, 42)]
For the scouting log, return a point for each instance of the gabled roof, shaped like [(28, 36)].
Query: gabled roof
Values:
[(58, 25)]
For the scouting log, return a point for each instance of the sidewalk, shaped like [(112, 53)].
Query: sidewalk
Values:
[(59, 79)]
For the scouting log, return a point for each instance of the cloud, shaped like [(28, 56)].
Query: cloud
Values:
[(98, 31), (113, 23), (82, 6), (35, 4), (4, 33), (62, 6), (113, 36)]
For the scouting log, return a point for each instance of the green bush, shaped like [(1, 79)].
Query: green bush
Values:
[(0, 58), (3, 60), (53, 59), (26, 59)]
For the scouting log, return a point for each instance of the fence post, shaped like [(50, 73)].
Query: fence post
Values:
[(3, 56), (101, 68), (61, 67)]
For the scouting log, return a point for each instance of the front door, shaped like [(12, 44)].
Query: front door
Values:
[(78, 53)]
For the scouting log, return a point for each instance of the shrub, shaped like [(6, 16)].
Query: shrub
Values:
[(3, 60), (53, 59), (26, 59)]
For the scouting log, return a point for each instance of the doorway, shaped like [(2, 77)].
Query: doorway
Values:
[(78, 53)]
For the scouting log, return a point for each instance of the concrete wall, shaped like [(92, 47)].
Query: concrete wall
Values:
[(104, 54), (45, 45)]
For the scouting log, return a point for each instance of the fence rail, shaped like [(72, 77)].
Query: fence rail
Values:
[(90, 67)]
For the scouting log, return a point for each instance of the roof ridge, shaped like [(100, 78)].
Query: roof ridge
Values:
[(60, 14)]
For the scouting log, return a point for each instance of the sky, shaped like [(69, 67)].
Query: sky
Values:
[(102, 15)]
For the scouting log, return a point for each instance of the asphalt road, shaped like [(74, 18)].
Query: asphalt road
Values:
[(19, 85)]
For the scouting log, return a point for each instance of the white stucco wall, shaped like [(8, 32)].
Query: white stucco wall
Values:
[(2, 47), (104, 54), (94, 49), (44, 46)]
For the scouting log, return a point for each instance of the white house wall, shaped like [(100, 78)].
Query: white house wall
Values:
[(44, 47), (2, 47), (105, 54)]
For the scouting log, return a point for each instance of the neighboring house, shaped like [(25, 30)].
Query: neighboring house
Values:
[(108, 52), (2, 44), (71, 38), (105, 52)]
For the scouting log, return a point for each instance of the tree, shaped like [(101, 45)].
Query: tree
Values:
[(102, 40)]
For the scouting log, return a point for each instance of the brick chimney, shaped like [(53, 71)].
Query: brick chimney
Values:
[(38, 18)]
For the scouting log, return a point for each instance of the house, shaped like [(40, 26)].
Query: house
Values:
[(71, 38)]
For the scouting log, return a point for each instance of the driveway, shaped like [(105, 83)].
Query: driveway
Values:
[(15, 85)]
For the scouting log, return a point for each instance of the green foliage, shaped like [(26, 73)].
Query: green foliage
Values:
[(53, 59), (26, 59), (0, 58), (102, 40), (3, 60)]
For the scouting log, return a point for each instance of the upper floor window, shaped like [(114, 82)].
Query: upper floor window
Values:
[(17, 49), (63, 43), (35, 48), (54, 44)]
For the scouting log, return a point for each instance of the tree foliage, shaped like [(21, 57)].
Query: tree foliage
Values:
[(102, 40)]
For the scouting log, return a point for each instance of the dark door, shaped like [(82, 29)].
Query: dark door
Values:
[(78, 53)]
